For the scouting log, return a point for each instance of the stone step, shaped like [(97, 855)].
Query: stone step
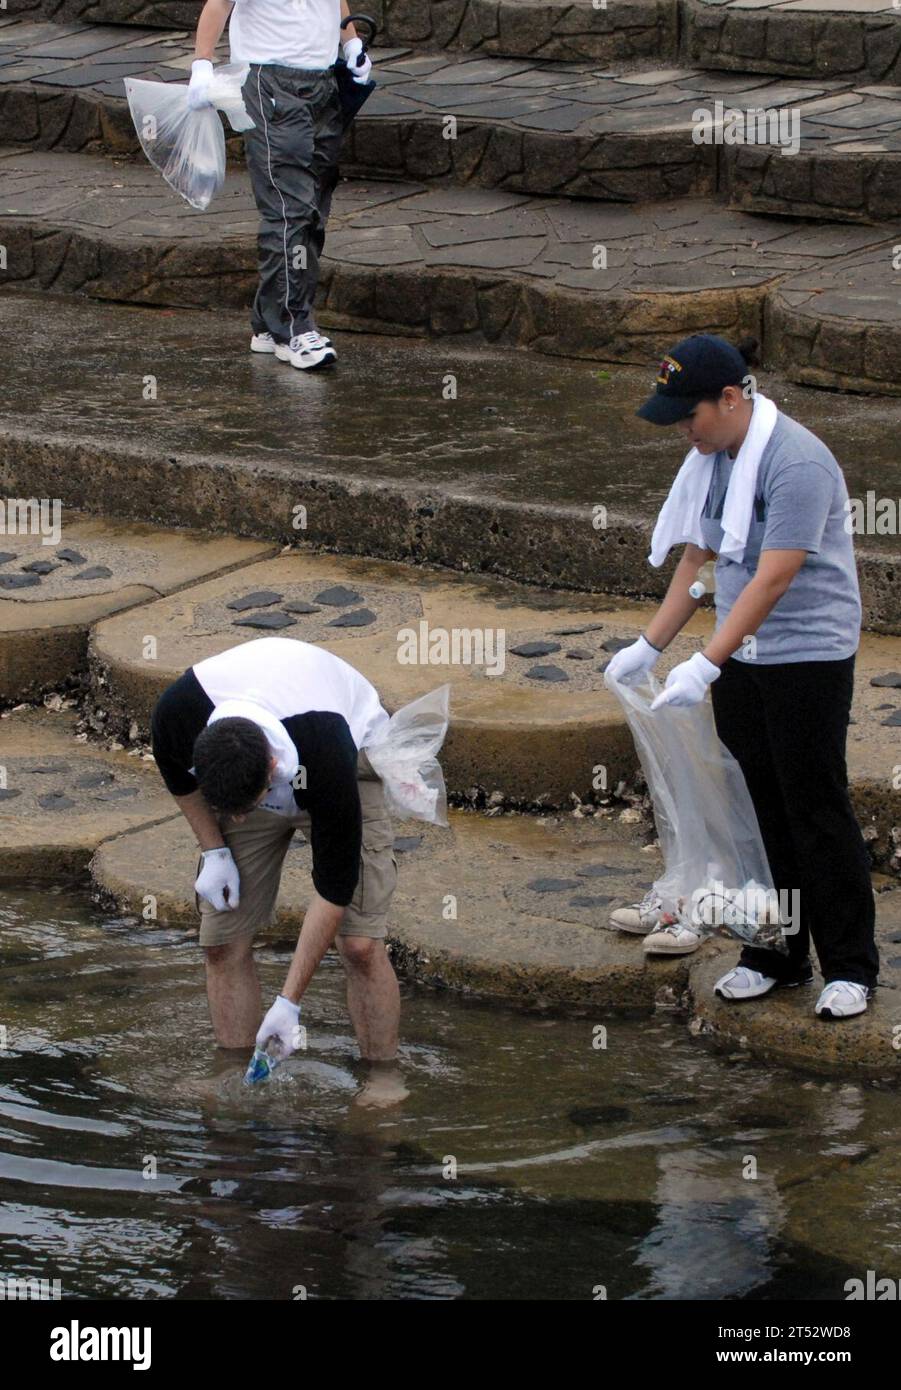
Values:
[(446, 453), (783, 1028), (489, 266), (522, 125), (61, 797), (105, 567), (860, 39)]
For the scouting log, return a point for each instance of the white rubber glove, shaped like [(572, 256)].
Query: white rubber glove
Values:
[(218, 880), (357, 60), (283, 1024), (633, 663), (687, 683), (199, 85)]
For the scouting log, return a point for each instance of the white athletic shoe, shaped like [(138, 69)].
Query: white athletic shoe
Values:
[(639, 918), (262, 342), (674, 940), (744, 983), (842, 999), (310, 351)]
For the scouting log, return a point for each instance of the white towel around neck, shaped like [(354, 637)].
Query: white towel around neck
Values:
[(680, 515), (279, 739)]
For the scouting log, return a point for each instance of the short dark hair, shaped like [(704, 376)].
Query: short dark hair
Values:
[(231, 764)]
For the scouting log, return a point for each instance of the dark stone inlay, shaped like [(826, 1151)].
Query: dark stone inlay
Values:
[(299, 606), (338, 596), (267, 620), (94, 779), (360, 617), (577, 631), (261, 599), (616, 644), (891, 679), (597, 871), (40, 567), (893, 720), (115, 794), (19, 581), (547, 673), (552, 885), (7, 795), (56, 801), (6, 555), (579, 654), (95, 572), (535, 649), (405, 843), (49, 767), (72, 557)]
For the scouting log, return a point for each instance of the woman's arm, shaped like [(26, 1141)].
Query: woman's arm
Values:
[(775, 571), (678, 605)]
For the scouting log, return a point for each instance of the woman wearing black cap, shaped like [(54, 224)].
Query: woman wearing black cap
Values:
[(766, 497)]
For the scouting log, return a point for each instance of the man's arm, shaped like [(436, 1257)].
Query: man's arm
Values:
[(213, 18), (201, 819), (350, 32)]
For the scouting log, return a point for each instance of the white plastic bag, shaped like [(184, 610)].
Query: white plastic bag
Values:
[(404, 757), (188, 147), (716, 871)]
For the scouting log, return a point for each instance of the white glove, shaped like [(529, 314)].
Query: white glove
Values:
[(199, 85), (630, 665), (218, 880), (353, 53), (687, 683), (282, 1023)]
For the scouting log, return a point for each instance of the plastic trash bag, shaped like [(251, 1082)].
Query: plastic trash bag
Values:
[(716, 871), (403, 755), (188, 147)]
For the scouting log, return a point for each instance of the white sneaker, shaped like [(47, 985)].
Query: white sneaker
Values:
[(674, 940), (842, 999), (310, 351), (744, 983), (639, 918), (262, 342)]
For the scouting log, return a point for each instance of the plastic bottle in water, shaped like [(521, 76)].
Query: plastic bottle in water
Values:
[(262, 1065), (705, 582)]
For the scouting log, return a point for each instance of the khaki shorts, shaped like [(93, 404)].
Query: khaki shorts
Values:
[(259, 844)]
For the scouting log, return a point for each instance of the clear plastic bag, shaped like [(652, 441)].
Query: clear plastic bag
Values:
[(188, 147), (716, 871), (404, 757)]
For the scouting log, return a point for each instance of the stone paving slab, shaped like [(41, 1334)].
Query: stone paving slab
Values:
[(62, 796), (804, 37), (505, 479), (526, 724), (784, 1029), (538, 724), (522, 125), (838, 329), (531, 909), (441, 261), (814, 38), (50, 594)]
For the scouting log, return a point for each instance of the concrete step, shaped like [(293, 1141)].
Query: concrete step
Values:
[(447, 453), (522, 125), (531, 911), (561, 278), (44, 627), (61, 797), (784, 1029), (859, 39)]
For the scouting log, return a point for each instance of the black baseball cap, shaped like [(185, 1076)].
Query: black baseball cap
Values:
[(699, 366)]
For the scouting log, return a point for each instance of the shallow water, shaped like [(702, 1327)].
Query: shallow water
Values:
[(134, 1163)]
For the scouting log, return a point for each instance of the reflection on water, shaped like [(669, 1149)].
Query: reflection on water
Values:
[(504, 1157)]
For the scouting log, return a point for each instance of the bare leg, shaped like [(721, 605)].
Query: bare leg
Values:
[(233, 990), (373, 996)]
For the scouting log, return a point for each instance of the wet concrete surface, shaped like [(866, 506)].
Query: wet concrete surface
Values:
[(521, 428)]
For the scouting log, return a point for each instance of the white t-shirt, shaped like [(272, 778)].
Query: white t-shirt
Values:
[(288, 677), (290, 33)]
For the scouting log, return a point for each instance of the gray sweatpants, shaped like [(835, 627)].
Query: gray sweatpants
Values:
[(292, 154)]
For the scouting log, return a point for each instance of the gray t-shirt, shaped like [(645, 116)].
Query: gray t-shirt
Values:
[(799, 505)]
